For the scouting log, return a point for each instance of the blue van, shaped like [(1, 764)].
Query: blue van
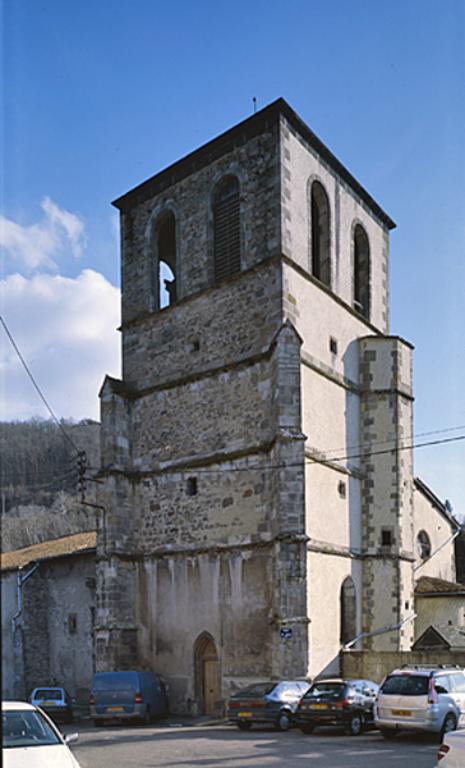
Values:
[(138, 696)]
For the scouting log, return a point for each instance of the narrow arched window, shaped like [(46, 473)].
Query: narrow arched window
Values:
[(321, 239), (361, 272), (226, 229), (348, 609), (166, 255), (423, 545)]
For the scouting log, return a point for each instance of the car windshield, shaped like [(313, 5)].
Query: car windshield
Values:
[(120, 682), (329, 690), (49, 694), (27, 728), (258, 689), (407, 685)]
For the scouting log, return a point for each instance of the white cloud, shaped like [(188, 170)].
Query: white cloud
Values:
[(65, 329), (37, 245)]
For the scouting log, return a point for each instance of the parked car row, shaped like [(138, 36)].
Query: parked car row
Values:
[(413, 698), (138, 696), (347, 703)]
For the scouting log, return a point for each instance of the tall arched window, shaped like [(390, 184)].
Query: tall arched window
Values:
[(166, 256), (348, 608), (321, 237), (361, 272), (226, 229)]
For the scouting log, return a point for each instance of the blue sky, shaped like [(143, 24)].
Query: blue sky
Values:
[(101, 95)]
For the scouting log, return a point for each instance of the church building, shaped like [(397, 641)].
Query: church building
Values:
[(257, 480)]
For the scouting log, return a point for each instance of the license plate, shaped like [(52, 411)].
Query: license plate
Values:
[(402, 712), (245, 714), (47, 703), (115, 709), (319, 706)]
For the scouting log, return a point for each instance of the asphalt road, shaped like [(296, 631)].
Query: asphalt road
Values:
[(162, 746)]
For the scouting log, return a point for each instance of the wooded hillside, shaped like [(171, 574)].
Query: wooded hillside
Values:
[(36, 460)]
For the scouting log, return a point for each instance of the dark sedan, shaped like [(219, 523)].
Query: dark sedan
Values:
[(269, 702), (346, 703)]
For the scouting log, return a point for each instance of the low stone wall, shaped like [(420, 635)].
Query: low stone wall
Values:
[(375, 665)]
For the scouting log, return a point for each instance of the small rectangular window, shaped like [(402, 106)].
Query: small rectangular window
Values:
[(191, 486), (333, 345), (72, 623), (342, 489), (386, 537)]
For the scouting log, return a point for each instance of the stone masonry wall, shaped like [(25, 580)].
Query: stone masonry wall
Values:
[(255, 163), (221, 414), (375, 665), (227, 594), (232, 322), (231, 505), (35, 629)]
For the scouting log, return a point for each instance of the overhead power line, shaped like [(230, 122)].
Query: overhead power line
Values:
[(371, 443), (37, 388), (323, 459), (289, 465)]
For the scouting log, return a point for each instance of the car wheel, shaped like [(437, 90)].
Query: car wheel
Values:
[(283, 722), (307, 728), (389, 733), (98, 722), (354, 725), (449, 724), (244, 726)]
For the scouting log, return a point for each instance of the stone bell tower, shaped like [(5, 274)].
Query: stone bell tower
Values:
[(243, 537)]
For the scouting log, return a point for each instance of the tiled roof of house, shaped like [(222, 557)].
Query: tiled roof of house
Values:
[(67, 545), (431, 586)]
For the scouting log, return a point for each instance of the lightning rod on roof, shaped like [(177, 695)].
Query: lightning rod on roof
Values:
[(254, 99)]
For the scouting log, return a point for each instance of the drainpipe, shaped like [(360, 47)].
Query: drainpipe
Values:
[(394, 628), (21, 579)]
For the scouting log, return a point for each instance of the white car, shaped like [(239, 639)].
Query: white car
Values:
[(421, 698), (31, 740), (452, 751)]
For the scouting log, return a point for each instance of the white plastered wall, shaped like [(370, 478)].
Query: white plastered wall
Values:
[(301, 165), (440, 611), (428, 518), (326, 574), (330, 421)]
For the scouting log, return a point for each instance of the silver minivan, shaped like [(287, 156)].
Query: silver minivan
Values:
[(421, 698)]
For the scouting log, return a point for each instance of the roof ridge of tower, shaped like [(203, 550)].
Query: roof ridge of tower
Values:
[(250, 126)]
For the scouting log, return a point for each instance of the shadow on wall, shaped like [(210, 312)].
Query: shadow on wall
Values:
[(332, 668)]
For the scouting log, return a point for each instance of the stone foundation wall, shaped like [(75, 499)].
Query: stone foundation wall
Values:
[(375, 665)]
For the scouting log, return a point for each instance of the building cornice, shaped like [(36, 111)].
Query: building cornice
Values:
[(267, 118)]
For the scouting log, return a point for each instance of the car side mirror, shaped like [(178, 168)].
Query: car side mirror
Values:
[(71, 737)]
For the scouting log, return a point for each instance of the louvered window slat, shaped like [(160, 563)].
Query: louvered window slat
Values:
[(226, 225)]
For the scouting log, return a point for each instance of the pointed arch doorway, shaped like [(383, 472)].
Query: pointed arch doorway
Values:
[(207, 675)]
